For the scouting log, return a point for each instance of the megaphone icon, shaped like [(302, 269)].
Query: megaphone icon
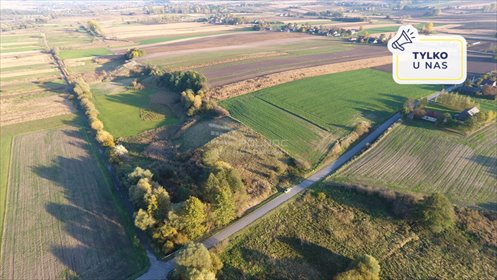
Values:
[(403, 39)]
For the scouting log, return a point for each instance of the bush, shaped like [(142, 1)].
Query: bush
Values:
[(363, 267), (437, 213), (134, 53)]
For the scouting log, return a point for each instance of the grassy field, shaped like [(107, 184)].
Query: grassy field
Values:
[(121, 109), (298, 115), (77, 53), (62, 215), (311, 238), (427, 160)]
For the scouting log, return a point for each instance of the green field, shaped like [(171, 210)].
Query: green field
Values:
[(419, 158), (120, 109), (78, 53), (299, 113), (310, 238)]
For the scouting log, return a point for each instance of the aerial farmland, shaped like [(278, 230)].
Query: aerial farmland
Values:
[(243, 140)]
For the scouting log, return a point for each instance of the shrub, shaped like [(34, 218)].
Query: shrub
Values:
[(321, 196), (437, 213), (134, 53), (363, 267), (302, 164)]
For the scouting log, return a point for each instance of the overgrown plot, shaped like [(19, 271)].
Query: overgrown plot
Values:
[(295, 135), (61, 215)]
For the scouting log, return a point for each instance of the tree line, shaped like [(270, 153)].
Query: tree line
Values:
[(85, 98)]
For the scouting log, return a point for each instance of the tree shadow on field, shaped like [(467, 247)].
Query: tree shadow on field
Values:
[(489, 162), (113, 63), (489, 205), (327, 262), (54, 87), (314, 262), (95, 236)]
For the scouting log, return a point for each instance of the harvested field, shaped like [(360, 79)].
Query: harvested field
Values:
[(240, 56), (24, 60), (140, 31), (233, 72), (28, 107), (219, 43), (12, 74), (305, 117), (6, 136), (62, 215), (262, 82), (31, 88), (426, 160), (312, 238)]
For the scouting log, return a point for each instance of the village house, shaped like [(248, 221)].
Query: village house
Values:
[(467, 114)]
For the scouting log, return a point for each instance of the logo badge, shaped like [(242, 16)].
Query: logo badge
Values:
[(435, 59)]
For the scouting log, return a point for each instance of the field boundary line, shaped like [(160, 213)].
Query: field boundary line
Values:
[(294, 114)]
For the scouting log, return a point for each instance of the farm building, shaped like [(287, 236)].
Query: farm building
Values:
[(488, 82), (372, 40), (429, 119), (430, 116), (469, 90), (467, 114)]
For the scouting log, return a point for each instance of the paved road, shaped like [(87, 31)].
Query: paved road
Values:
[(158, 269)]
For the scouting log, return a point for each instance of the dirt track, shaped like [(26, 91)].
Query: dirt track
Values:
[(261, 82)]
